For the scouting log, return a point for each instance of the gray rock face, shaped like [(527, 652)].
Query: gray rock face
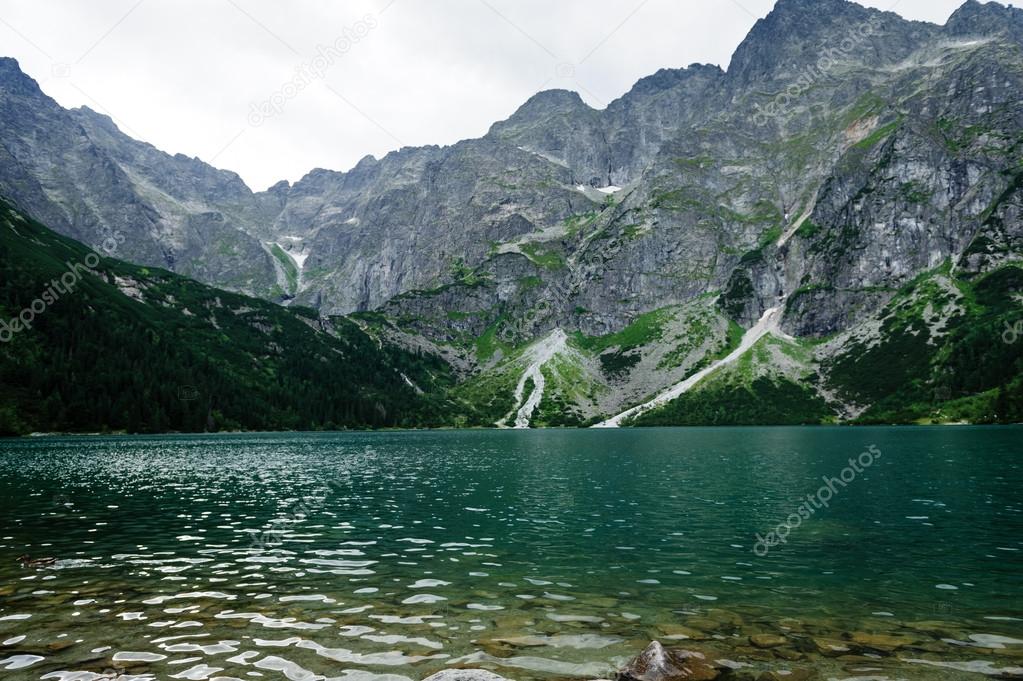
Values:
[(613, 146), (791, 40), (418, 217), (75, 171), (932, 191), (891, 158), (844, 151), (988, 18)]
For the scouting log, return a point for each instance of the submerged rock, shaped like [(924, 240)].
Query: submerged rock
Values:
[(725, 616), (884, 643), (519, 641), (671, 630), (938, 628), (788, 675), (705, 624), (742, 675), (830, 647), (767, 640), (659, 664), (787, 654), (751, 653), (58, 646), (465, 675)]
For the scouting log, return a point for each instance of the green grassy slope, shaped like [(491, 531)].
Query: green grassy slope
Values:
[(970, 370), (762, 401), (945, 350), (772, 384)]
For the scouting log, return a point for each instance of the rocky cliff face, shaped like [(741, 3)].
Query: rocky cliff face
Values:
[(822, 178), (700, 163), (76, 171), (844, 152), (418, 217)]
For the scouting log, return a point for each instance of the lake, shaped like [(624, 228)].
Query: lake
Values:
[(880, 553)]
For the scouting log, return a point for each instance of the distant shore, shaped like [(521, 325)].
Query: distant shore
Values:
[(121, 433)]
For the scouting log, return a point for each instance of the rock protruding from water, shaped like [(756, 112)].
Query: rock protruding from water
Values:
[(465, 675), (657, 663)]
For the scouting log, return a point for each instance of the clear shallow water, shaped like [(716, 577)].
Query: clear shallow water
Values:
[(536, 554)]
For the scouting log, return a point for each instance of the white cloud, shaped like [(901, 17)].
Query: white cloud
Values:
[(183, 74)]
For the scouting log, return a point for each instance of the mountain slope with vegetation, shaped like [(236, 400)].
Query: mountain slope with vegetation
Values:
[(130, 348), (854, 172), (946, 349)]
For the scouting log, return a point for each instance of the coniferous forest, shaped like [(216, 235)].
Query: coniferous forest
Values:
[(136, 349)]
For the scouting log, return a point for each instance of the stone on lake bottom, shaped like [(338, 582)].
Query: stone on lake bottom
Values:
[(704, 623), (767, 640), (672, 630), (880, 642), (787, 654), (465, 675), (788, 675), (830, 647)]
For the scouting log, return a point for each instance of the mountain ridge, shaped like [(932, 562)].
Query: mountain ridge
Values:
[(968, 13), (833, 163)]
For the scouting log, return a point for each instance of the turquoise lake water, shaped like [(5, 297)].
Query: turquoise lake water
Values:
[(537, 554)]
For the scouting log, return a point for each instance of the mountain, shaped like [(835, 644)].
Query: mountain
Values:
[(76, 171), (90, 343), (574, 263)]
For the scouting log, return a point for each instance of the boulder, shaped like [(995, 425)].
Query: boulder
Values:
[(659, 664)]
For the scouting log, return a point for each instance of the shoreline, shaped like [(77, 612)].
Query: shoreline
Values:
[(452, 429)]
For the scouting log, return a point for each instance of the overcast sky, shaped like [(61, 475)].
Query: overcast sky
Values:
[(185, 75)]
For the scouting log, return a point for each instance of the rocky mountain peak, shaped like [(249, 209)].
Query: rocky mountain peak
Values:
[(15, 81), (666, 79), (811, 7), (795, 31), (985, 19), (791, 36), (675, 178), (96, 118), (554, 99), (545, 104), (281, 187)]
